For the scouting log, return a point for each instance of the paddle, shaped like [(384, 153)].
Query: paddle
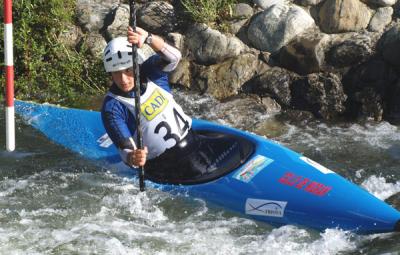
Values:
[(132, 23)]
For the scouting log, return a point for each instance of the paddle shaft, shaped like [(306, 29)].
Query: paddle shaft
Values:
[(132, 23)]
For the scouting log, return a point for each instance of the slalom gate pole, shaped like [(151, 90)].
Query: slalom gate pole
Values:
[(9, 66)]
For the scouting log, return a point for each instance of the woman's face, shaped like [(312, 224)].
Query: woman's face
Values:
[(124, 79)]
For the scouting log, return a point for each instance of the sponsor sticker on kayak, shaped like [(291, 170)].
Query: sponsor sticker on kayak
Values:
[(252, 168), (316, 165), (104, 141), (305, 184), (261, 207)]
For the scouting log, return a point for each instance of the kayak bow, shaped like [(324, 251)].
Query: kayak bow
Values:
[(275, 184)]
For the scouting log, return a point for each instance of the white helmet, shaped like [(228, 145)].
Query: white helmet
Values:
[(118, 55)]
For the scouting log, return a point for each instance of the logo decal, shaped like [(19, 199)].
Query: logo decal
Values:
[(252, 168), (154, 105), (104, 141), (319, 167), (262, 207)]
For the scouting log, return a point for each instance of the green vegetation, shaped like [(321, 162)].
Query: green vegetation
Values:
[(45, 69), (214, 13)]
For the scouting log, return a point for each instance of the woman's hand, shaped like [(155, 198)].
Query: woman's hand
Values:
[(137, 38), (137, 157)]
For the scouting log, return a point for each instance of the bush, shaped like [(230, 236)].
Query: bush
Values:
[(46, 70), (214, 13)]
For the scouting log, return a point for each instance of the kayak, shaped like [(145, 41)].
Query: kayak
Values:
[(255, 177)]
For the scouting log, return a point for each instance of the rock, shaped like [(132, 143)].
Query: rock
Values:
[(119, 25), (94, 16), (304, 55), (157, 17), (71, 36), (265, 4), (242, 11), (392, 112), (371, 104), (210, 46), (278, 25), (274, 83), (381, 19), (320, 93), (394, 200), (308, 2), (224, 80), (380, 2), (366, 86), (236, 111), (350, 50), (338, 16), (96, 44), (182, 74), (295, 116), (236, 26), (271, 105), (374, 73), (396, 8), (390, 46), (178, 41)]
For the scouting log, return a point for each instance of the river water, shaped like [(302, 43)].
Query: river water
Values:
[(55, 202)]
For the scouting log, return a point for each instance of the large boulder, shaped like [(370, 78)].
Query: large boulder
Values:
[(390, 46), (182, 75), (278, 25), (392, 112), (350, 49), (119, 24), (380, 2), (242, 11), (225, 79), (381, 19), (96, 44), (95, 15), (396, 8), (158, 17), (320, 93), (337, 16), (371, 104), (308, 2), (304, 55), (265, 4), (210, 46), (367, 86), (274, 83)]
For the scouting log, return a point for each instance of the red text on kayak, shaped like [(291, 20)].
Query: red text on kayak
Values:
[(305, 184)]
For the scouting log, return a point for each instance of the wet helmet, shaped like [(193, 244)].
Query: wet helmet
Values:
[(118, 55)]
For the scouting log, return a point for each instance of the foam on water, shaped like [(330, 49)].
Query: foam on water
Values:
[(124, 221), (379, 187), (381, 135)]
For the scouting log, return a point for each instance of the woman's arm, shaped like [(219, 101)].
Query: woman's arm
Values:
[(170, 55)]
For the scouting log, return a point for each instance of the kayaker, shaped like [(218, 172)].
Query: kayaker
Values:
[(173, 152)]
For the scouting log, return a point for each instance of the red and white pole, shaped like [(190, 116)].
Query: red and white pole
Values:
[(9, 63)]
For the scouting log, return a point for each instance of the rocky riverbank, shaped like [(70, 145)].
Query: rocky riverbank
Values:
[(334, 58)]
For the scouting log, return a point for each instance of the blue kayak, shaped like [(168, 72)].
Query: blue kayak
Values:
[(266, 182)]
